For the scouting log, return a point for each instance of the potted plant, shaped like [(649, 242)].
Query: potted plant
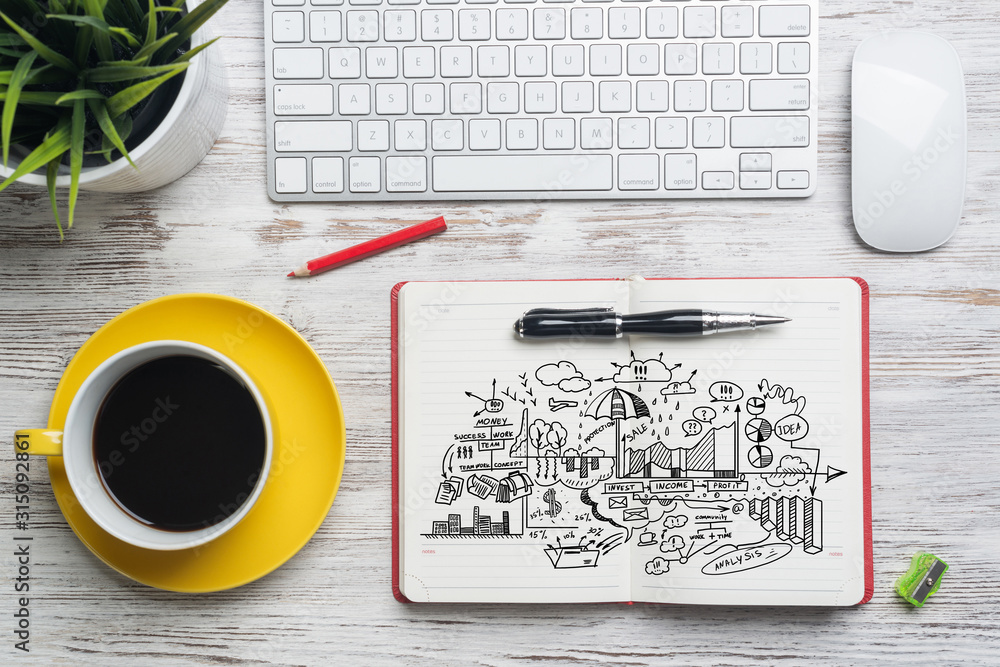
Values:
[(106, 94)]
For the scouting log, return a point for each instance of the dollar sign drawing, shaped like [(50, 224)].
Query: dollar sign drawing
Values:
[(554, 506)]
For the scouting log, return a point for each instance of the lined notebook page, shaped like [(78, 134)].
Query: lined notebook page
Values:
[(741, 525), (485, 515)]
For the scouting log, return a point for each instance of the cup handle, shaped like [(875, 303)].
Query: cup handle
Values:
[(39, 441)]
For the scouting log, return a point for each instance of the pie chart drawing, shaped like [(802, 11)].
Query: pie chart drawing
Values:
[(758, 429), (760, 456), (755, 405)]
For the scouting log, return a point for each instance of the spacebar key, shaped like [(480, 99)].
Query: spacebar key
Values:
[(527, 173)]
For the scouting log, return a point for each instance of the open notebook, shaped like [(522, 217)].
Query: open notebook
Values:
[(726, 469)]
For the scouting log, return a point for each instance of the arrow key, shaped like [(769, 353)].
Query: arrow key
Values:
[(755, 162), (717, 180)]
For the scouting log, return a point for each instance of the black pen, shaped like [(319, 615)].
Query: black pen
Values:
[(607, 323)]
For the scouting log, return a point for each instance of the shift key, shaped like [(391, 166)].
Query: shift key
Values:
[(769, 131), (313, 136), (305, 100)]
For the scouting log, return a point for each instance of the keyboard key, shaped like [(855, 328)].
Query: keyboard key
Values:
[(755, 180), (689, 95), (529, 60), (717, 180), (525, 173), (501, 97), (428, 98), (727, 95), (355, 99), (456, 61), (484, 134), (381, 62), (586, 23), (493, 60), (699, 22), (779, 94), (473, 25), (633, 133), (755, 162), (328, 174), (288, 27), (373, 135), (680, 59), (288, 3), (737, 21), (783, 20), (410, 135), (615, 96), (321, 136), (596, 133), (623, 22), (540, 97), (512, 23), (661, 22), (793, 58), (290, 175), (365, 174), (407, 173), (324, 27), (447, 135), (522, 134), (466, 98), (680, 171), (643, 59), (418, 62), (651, 95), (708, 132), (755, 58), (578, 96), (793, 180), (605, 60), (345, 62), (549, 23), (567, 60), (400, 25), (769, 131), (436, 25), (718, 59), (558, 133), (303, 100), (364, 2), (325, 2), (638, 172), (390, 99), (362, 26), (298, 63), (671, 132)]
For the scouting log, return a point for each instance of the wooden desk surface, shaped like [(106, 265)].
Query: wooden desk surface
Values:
[(935, 372)]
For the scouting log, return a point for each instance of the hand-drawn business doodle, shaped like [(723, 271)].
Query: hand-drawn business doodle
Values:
[(718, 477)]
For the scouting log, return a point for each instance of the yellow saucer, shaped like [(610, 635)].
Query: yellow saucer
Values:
[(309, 441)]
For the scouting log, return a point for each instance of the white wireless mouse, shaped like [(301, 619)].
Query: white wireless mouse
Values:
[(909, 143)]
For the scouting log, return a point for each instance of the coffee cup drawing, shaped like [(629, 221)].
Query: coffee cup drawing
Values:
[(167, 444)]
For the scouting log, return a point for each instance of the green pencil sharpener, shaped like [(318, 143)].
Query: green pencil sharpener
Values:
[(922, 580)]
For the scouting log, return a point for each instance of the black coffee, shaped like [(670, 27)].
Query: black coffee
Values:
[(179, 442)]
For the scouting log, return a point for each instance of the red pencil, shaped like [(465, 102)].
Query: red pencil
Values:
[(369, 248)]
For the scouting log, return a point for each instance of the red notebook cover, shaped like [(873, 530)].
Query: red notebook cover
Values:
[(865, 420)]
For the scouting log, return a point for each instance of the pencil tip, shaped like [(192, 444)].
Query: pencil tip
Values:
[(291, 275)]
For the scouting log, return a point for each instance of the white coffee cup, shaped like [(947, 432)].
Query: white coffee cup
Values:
[(75, 444)]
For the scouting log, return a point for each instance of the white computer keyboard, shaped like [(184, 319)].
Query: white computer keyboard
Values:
[(374, 100)]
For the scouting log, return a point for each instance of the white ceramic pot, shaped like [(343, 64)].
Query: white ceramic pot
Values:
[(178, 143)]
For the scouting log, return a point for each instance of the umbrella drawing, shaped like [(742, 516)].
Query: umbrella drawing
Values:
[(618, 405)]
